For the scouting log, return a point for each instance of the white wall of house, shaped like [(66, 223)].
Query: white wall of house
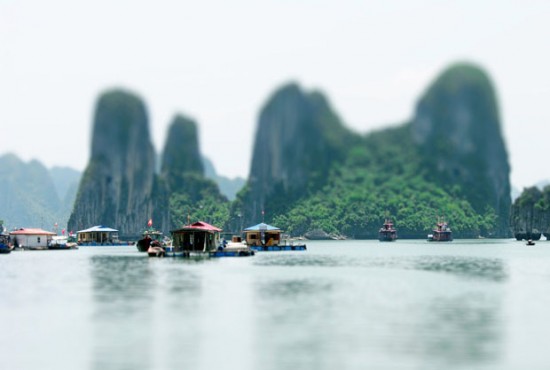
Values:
[(32, 241)]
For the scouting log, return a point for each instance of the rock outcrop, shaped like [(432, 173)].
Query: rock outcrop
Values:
[(116, 189), (181, 155), (530, 214), (190, 196), (458, 129), (298, 138)]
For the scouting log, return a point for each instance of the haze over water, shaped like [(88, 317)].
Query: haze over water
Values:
[(469, 304)]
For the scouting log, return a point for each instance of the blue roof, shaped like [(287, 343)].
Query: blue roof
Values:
[(99, 228), (260, 227)]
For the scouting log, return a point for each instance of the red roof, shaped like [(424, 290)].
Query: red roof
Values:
[(31, 232), (200, 225)]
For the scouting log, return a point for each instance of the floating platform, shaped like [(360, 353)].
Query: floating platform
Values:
[(278, 248), (225, 252)]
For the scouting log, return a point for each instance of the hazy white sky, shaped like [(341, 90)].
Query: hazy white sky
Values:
[(218, 62)]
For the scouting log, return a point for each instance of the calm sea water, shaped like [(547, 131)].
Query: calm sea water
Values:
[(468, 304)]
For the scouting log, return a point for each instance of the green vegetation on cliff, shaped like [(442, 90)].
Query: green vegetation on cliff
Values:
[(383, 178), (531, 213), (190, 195), (449, 161)]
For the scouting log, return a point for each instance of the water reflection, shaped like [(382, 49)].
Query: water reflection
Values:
[(290, 327), (482, 268), (473, 267), (122, 291), (144, 312), (382, 314), (466, 329)]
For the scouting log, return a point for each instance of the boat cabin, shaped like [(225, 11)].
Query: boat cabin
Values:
[(31, 238), (98, 235), (262, 234), (387, 232), (199, 237), (441, 233)]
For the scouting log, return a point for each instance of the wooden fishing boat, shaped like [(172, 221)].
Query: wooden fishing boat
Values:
[(387, 232), (441, 233)]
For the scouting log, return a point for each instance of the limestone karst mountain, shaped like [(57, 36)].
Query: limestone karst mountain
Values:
[(33, 196), (190, 196), (310, 172), (457, 127), (117, 186), (298, 138), (530, 214)]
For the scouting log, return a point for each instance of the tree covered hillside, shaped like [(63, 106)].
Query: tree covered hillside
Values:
[(448, 161)]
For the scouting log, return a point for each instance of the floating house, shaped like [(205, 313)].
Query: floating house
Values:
[(197, 238), (33, 239), (98, 235), (264, 237), (262, 234)]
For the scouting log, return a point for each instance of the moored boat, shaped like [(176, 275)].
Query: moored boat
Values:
[(387, 232), (5, 244), (149, 236), (62, 242), (234, 248), (441, 233)]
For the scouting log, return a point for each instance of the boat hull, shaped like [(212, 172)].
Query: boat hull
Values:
[(440, 237), (387, 236)]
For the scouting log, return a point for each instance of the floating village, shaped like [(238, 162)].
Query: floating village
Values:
[(195, 239)]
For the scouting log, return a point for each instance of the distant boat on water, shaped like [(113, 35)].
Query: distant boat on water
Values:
[(441, 233), (387, 232)]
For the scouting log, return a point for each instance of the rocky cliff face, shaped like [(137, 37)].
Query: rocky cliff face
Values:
[(117, 186), (189, 196), (457, 127), (530, 214), (181, 153), (297, 140)]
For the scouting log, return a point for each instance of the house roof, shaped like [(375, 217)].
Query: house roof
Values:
[(31, 232), (261, 227), (99, 228), (199, 226)]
